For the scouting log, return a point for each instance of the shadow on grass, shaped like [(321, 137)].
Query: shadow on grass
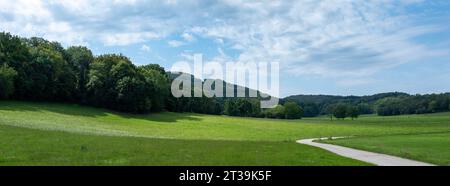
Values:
[(87, 111), (169, 117), (60, 108)]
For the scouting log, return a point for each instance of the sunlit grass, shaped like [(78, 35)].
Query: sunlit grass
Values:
[(87, 120), (433, 148), (60, 134)]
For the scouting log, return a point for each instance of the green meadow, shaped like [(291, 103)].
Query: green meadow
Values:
[(67, 134), (433, 147)]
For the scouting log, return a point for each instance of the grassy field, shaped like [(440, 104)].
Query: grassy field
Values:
[(64, 134), (433, 148), (19, 146)]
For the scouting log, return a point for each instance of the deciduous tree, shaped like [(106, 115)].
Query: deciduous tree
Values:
[(293, 110), (7, 76)]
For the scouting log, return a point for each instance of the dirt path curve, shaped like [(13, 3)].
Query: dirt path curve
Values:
[(370, 157)]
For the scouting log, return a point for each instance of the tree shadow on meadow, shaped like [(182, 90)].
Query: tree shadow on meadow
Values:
[(169, 117), (60, 108), (88, 111)]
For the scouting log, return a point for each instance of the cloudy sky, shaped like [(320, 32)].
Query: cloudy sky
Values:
[(324, 47)]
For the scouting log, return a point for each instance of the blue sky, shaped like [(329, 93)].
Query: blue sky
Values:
[(339, 47)]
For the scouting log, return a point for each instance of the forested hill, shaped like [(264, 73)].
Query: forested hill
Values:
[(392, 103), (40, 70), (323, 99), (249, 93)]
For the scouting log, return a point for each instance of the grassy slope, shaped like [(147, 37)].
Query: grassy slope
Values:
[(239, 133), (19, 146), (433, 148), (86, 120)]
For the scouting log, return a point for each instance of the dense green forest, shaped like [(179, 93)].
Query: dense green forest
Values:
[(39, 70), (385, 104)]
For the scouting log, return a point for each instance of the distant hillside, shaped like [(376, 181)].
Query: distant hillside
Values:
[(391, 103), (246, 105), (324, 99), (248, 91)]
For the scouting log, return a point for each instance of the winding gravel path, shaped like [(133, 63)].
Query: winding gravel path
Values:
[(370, 157)]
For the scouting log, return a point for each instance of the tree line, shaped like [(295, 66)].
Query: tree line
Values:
[(40, 70), (416, 104), (384, 104), (37, 69)]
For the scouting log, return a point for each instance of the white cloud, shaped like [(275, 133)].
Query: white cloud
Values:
[(219, 40), (187, 56), (145, 48), (188, 37), (335, 39), (123, 39), (175, 43), (33, 18)]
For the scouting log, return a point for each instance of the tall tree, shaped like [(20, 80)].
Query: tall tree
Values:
[(156, 77), (244, 107), (53, 79), (293, 110), (79, 58), (278, 112), (340, 111), (15, 54), (7, 75), (352, 112), (114, 82), (230, 108), (329, 111)]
